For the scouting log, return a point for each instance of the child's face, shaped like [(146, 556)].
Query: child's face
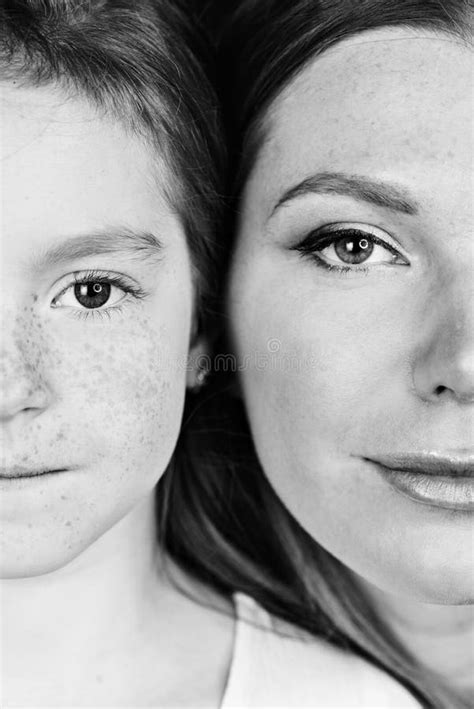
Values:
[(92, 373)]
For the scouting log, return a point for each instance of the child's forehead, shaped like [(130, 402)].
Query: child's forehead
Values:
[(51, 112), (49, 127), (69, 168)]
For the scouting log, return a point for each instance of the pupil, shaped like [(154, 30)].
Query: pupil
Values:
[(353, 250), (92, 295)]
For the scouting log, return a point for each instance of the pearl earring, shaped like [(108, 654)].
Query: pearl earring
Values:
[(201, 376)]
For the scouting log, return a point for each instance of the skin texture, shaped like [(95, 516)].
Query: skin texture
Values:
[(379, 361), (102, 395), (89, 617)]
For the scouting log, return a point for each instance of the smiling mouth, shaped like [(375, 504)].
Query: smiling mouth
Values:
[(445, 481)]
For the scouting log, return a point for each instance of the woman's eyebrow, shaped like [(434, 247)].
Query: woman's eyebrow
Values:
[(111, 240), (382, 194)]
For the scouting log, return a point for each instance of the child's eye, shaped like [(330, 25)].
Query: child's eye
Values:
[(95, 292), (345, 248)]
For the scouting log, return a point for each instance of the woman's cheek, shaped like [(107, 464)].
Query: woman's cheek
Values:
[(316, 355)]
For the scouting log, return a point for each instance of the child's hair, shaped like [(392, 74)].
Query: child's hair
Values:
[(220, 517), (149, 65), (146, 63)]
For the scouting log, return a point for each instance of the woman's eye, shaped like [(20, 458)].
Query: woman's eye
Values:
[(350, 249), (95, 292), (345, 249)]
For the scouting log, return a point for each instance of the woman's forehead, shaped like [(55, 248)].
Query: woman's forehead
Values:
[(388, 101)]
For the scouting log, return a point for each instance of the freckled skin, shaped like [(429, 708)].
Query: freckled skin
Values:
[(373, 348), (100, 397)]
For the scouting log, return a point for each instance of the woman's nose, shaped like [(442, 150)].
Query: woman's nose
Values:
[(445, 364)]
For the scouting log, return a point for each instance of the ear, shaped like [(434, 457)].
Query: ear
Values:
[(199, 362)]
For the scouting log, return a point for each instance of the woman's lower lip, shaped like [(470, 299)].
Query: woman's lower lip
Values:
[(436, 490)]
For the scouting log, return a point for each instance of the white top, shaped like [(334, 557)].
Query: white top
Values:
[(293, 669)]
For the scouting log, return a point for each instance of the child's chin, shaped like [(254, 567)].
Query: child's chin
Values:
[(29, 560)]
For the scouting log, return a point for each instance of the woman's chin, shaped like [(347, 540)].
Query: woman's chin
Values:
[(441, 581), (449, 586)]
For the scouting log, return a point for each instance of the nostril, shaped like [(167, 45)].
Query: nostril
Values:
[(19, 394)]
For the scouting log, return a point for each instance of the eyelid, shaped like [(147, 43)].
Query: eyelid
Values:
[(119, 280), (82, 274), (381, 236), (374, 231)]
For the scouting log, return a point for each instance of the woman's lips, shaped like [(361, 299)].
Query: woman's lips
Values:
[(439, 480)]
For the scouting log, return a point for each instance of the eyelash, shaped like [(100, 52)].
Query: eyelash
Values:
[(320, 239), (102, 277)]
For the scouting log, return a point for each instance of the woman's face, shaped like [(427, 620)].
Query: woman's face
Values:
[(351, 306), (96, 317)]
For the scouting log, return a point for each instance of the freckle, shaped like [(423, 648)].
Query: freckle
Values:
[(68, 524), (99, 678), (63, 497)]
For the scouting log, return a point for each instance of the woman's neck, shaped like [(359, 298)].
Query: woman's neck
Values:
[(107, 629), (440, 637)]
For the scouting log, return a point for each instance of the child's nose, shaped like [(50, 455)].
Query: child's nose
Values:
[(23, 389)]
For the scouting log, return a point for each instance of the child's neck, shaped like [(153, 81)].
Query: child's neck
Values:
[(100, 630)]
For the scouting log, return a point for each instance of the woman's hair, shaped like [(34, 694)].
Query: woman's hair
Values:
[(148, 64), (265, 43), (219, 515)]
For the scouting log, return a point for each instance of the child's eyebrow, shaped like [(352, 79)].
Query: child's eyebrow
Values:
[(112, 240)]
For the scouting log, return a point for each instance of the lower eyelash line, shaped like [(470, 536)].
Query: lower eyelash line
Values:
[(86, 314), (310, 246), (305, 254)]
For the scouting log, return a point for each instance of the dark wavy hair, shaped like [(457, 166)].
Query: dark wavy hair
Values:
[(220, 518)]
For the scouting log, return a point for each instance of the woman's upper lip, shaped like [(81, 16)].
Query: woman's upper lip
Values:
[(450, 464)]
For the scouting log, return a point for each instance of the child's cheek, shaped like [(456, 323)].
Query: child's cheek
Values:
[(116, 394), (120, 393)]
